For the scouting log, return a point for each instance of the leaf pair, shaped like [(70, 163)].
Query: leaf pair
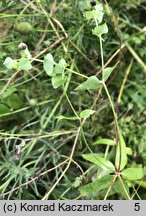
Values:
[(96, 13), (91, 190), (100, 30), (130, 174), (54, 70), (22, 64)]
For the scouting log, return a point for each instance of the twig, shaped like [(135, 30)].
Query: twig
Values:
[(67, 167)]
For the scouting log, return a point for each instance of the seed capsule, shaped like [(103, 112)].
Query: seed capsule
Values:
[(24, 28)]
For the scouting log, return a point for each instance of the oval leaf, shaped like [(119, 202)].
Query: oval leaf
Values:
[(57, 81), (99, 161), (9, 63), (48, 64), (133, 173), (86, 113), (90, 14), (63, 63), (99, 30), (58, 69), (92, 83), (24, 64)]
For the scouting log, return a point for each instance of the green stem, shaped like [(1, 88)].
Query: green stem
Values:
[(74, 72), (101, 47), (72, 106), (101, 51), (112, 106)]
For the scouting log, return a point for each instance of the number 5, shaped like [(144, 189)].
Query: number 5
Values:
[(137, 207)]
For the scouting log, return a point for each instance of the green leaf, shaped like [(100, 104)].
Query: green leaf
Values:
[(133, 173), (99, 30), (90, 14), (9, 63), (48, 64), (57, 81), (105, 142), (4, 109), (63, 63), (107, 72), (129, 151), (99, 161), (121, 155), (99, 7), (25, 53), (90, 190), (24, 64), (16, 65), (58, 69), (14, 101), (84, 5), (99, 16), (9, 92), (94, 14), (92, 83), (141, 183), (86, 113)]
